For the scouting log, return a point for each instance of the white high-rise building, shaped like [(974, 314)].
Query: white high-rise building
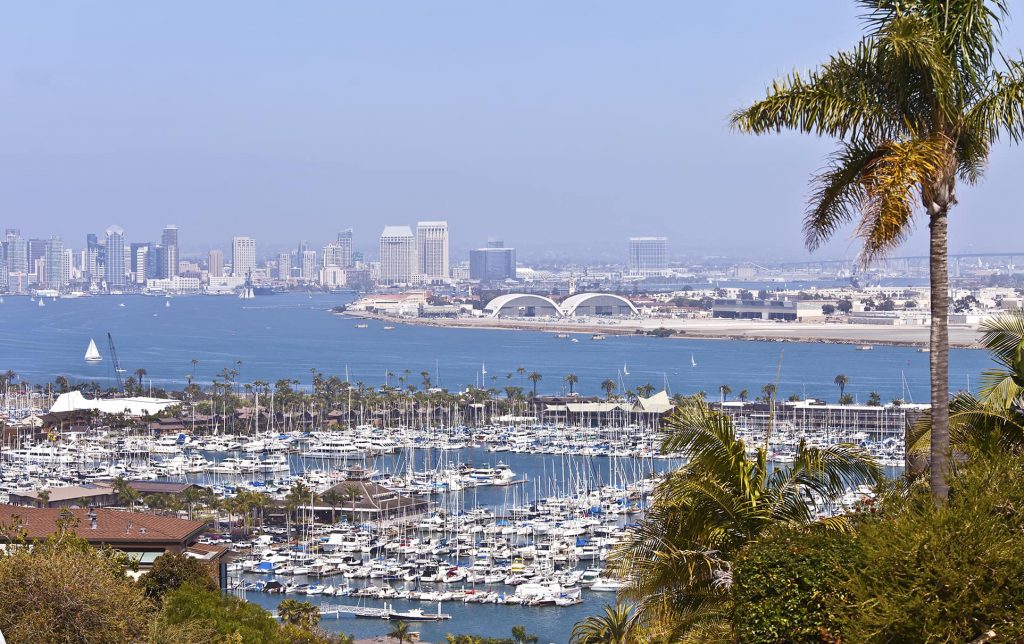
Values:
[(116, 269), (284, 266), (332, 255), (309, 267), (397, 255), (432, 251), (648, 256), (243, 256), (54, 254)]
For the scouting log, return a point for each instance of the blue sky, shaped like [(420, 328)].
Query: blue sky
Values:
[(563, 126)]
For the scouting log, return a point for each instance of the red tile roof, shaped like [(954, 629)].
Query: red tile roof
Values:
[(112, 526)]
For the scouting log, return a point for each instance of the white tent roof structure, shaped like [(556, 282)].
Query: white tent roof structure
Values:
[(75, 401), (659, 403)]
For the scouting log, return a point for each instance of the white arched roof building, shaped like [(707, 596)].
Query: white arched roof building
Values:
[(598, 304), (522, 305)]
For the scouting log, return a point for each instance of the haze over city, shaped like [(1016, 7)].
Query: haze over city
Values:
[(529, 122)]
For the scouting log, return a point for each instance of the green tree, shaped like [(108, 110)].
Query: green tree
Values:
[(400, 631), (609, 388), (613, 626), (171, 571), (571, 380), (534, 378), (841, 382), (302, 614), (333, 499), (520, 635), (915, 106), (726, 390), (676, 563), (874, 399)]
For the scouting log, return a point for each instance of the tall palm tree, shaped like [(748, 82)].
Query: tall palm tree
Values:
[(302, 614), (841, 382), (726, 390), (915, 106), (520, 635), (609, 388), (613, 626), (677, 563), (534, 378), (571, 380)]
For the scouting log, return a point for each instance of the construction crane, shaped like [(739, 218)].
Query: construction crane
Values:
[(116, 362)]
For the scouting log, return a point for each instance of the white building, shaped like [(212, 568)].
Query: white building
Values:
[(309, 271), (176, 284), (397, 255), (243, 256), (333, 277), (432, 251), (333, 255), (648, 256)]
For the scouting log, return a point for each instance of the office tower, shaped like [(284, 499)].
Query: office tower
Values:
[(169, 240), (133, 267), (114, 270), (332, 255), (493, 263), (432, 251), (648, 255), (309, 268), (54, 256), (69, 266), (17, 253), (93, 268), (243, 256), (345, 241), (397, 255), (284, 266), (145, 261), (216, 263)]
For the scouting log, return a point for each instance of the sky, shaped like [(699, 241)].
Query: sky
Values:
[(561, 127)]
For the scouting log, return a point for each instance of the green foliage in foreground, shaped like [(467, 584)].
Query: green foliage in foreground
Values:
[(788, 587)]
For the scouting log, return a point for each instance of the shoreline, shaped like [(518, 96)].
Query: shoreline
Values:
[(961, 337)]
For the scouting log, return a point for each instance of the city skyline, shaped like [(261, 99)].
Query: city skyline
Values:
[(509, 132)]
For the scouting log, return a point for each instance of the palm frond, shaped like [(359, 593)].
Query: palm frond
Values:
[(999, 109), (837, 193)]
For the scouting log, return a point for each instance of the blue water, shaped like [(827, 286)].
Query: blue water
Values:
[(287, 335)]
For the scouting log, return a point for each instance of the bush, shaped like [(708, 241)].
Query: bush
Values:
[(229, 617), (949, 573), (787, 587), (64, 590), (171, 571)]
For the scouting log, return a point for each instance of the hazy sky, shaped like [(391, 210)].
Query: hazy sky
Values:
[(566, 125)]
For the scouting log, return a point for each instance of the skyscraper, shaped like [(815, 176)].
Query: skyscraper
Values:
[(243, 256), (332, 255), (309, 267), (216, 263), (493, 263), (114, 270), (284, 266), (648, 255), (17, 253), (397, 255), (94, 255), (432, 251), (54, 255), (169, 263), (345, 242)]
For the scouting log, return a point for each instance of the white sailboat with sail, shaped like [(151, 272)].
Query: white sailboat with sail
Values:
[(92, 354), (693, 362), (625, 369)]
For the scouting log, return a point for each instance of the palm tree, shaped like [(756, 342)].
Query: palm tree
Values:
[(534, 378), (613, 626), (351, 494), (333, 499), (841, 382), (992, 421), (400, 632), (43, 498), (609, 388), (768, 391), (571, 380), (915, 106), (743, 395), (677, 563), (726, 390), (302, 614)]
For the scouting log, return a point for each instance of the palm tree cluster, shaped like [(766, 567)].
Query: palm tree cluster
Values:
[(915, 106), (676, 563)]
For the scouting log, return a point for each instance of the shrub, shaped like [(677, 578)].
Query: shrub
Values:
[(787, 586), (949, 573), (171, 571)]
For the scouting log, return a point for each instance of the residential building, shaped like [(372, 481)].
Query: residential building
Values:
[(333, 255), (216, 263), (648, 256), (284, 266), (169, 240), (309, 268), (243, 256), (95, 259), (54, 253), (397, 255), (432, 251), (345, 241)]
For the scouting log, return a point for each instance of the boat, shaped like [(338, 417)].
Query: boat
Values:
[(92, 354), (573, 340), (362, 326), (597, 336), (864, 347), (418, 615), (693, 362), (167, 304), (606, 585), (625, 369), (924, 350), (389, 328), (41, 303)]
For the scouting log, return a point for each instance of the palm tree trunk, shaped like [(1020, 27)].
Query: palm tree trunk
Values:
[(939, 350)]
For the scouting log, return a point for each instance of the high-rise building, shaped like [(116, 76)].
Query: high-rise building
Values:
[(345, 241), (54, 255), (144, 262), (243, 256), (432, 251), (332, 255), (216, 263), (284, 266), (94, 257), (17, 253), (114, 270), (134, 266), (310, 272), (169, 240), (68, 267), (648, 255), (397, 255), (493, 263)]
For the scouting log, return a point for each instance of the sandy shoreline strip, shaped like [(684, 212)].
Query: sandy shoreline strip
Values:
[(963, 337)]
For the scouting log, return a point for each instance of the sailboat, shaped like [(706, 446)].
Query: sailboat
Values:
[(41, 303), (92, 354), (167, 304), (625, 369), (693, 362)]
